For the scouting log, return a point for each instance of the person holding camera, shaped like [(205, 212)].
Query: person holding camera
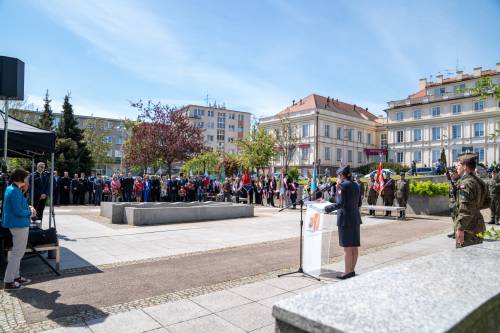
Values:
[(16, 216)]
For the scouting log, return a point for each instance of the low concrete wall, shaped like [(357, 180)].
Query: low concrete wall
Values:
[(418, 204), (451, 291), (165, 215)]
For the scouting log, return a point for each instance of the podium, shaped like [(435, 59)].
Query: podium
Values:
[(317, 230)]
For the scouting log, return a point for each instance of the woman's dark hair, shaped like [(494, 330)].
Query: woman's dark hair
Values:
[(18, 175)]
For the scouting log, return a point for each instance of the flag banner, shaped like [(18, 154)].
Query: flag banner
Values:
[(314, 184), (379, 179), (247, 183), (222, 173)]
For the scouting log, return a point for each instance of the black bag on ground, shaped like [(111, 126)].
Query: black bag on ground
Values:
[(6, 236), (39, 236)]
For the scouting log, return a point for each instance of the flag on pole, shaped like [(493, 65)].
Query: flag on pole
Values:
[(379, 179), (314, 184), (222, 173), (247, 183)]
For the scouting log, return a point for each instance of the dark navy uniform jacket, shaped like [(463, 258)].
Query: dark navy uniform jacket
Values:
[(347, 204)]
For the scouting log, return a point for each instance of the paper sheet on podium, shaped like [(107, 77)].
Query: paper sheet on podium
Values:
[(317, 233)]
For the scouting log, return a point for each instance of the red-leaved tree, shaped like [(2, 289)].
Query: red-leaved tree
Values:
[(164, 134)]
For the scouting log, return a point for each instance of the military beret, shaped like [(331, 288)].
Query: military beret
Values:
[(467, 158), (345, 170)]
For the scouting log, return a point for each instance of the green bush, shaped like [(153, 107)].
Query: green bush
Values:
[(364, 169), (429, 189), (293, 172)]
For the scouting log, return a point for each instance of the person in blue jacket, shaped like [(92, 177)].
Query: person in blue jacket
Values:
[(16, 216), (347, 203)]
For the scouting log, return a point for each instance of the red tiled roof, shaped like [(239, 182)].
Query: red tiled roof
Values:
[(314, 101), (421, 93)]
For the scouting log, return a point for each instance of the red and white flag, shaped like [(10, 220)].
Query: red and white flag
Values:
[(379, 179)]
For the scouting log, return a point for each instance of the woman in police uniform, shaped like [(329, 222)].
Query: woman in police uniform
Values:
[(348, 201)]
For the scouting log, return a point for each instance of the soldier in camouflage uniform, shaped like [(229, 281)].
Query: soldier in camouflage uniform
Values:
[(372, 194), (453, 198), (472, 197), (388, 192), (402, 193), (494, 187)]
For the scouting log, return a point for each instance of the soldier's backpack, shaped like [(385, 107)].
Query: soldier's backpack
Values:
[(486, 202)]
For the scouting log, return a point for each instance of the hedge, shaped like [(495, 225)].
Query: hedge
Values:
[(429, 189), (365, 169)]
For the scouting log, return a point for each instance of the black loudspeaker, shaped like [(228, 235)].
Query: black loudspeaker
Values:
[(11, 78)]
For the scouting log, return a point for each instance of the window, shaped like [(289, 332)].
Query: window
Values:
[(231, 128), (210, 138), (442, 90), (417, 135), (221, 120), (118, 154), (210, 125), (435, 155), (349, 156), (369, 138), (109, 139), (478, 105), (340, 131), (327, 130), (480, 152), (241, 117), (456, 109), (231, 116), (240, 129), (417, 156), (110, 153), (349, 134), (459, 87), (230, 139), (360, 136), (305, 153), (478, 130), (119, 140), (383, 140), (199, 112), (436, 111), (220, 135), (109, 125), (399, 116), (399, 157), (360, 157), (454, 154), (417, 114), (399, 136), (436, 133), (339, 154), (327, 153), (210, 113), (305, 130), (456, 131), (200, 124)]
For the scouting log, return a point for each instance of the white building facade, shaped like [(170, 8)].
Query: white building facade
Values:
[(442, 116), (221, 126), (330, 133)]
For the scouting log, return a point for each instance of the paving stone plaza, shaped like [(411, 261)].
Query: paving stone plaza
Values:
[(214, 276)]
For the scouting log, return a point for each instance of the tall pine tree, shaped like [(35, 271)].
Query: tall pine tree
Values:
[(46, 121), (72, 154)]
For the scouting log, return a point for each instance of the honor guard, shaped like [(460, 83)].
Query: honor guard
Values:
[(402, 193)]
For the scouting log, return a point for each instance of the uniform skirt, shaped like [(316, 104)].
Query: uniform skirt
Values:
[(349, 235)]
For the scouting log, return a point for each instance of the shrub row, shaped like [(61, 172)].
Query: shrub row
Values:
[(429, 189)]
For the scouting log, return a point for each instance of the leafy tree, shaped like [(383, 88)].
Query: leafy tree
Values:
[(293, 173), (207, 161), (287, 141), (231, 164), (72, 153), (139, 149), (443, 157), (257, 148), (96, 137), (46, 120)]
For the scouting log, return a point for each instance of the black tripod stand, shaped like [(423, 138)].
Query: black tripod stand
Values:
[(300, 270)]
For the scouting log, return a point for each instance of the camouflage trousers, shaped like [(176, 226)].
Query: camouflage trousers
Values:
[(495, 209), (469, 240)]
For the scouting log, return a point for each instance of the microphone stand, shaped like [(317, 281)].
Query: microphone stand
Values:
[(300, 270)]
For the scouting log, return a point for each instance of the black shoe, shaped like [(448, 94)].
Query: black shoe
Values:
[(346, 276), (491, 222), (451, 235)]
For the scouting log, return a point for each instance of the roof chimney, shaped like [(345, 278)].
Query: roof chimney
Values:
[(460, 75), (498, 67), (354, 107), (293, 102), (476, 72), (439, 78), (422, 84)]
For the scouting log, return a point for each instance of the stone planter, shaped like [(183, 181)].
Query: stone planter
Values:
[(418, 204)]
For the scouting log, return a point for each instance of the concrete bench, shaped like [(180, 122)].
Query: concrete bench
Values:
[(450, 291), (385, 209)]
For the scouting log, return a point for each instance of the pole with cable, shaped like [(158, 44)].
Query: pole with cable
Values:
[(5, 130)]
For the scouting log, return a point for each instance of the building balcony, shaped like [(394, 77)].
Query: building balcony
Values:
[(427, 99)]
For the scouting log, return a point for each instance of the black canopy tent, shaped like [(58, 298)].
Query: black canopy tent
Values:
[(24, 140)]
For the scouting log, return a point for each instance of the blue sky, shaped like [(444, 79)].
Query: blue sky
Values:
[(255, 56)]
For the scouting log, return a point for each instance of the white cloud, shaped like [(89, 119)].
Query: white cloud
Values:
[(135, 38)]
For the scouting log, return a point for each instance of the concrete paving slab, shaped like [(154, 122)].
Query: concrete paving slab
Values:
[(248, 317), (71, 329), (135, 321), (291, 283), (176, 312), (269, 302), (257, 291), (266, 329), (206, 324), (158, 330), (220, 300)]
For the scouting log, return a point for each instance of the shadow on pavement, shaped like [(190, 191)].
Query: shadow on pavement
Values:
[(47, 303)]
